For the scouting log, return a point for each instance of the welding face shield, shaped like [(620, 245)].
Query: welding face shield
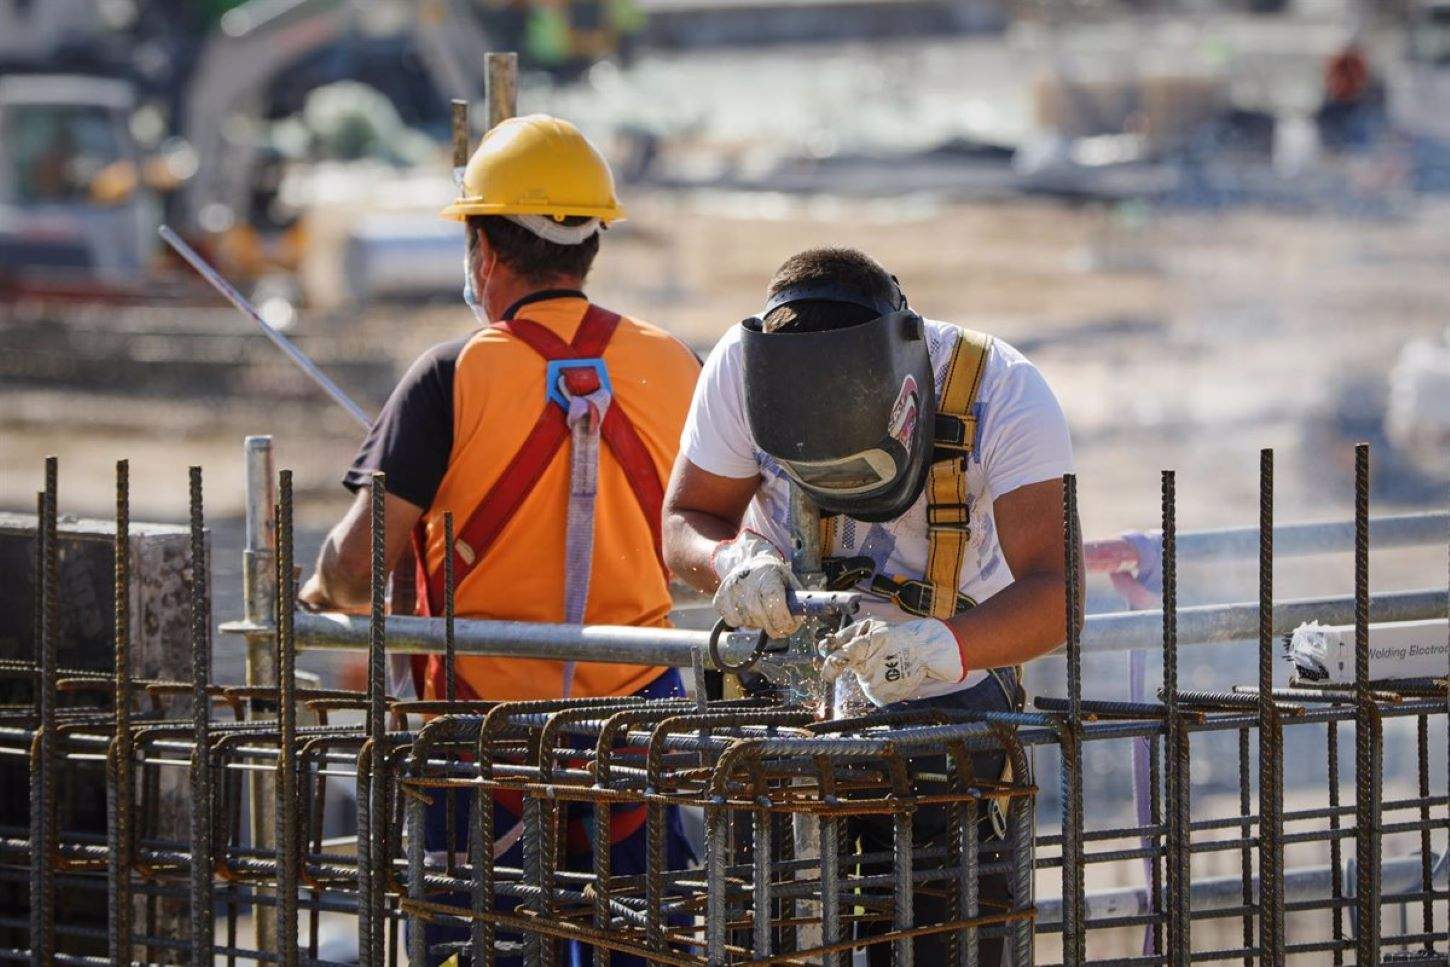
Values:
[(848, 413)]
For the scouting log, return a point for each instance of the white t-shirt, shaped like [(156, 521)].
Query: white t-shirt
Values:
[(1022, 439)]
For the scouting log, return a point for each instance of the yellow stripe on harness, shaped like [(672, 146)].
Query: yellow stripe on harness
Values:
[(947, 518)]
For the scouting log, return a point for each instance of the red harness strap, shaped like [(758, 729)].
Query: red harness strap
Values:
[(549, 434)]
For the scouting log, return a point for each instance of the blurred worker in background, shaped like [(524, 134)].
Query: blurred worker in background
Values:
[(936, 456), (547, 434), (1353, 108)]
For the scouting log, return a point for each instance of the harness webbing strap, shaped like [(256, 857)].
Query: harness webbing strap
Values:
[(947, 516)]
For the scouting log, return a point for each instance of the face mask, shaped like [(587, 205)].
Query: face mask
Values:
[(471, 295), (469, 298)]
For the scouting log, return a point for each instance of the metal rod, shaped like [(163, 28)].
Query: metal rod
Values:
[(259, 610), (121, 787), (43, 812), (1118, 631), (1074, 940), (289, 833), (1271, 752), (1292, 540), (1367, 778), (280, 341), (376, 831), (202, 936), (1179, 923)]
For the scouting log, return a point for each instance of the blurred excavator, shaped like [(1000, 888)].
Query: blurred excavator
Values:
[(231, 120)]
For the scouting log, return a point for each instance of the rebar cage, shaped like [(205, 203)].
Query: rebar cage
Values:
[(783, 878)]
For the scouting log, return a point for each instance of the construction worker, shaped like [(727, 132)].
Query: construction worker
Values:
[(936, 455), (547, 434)]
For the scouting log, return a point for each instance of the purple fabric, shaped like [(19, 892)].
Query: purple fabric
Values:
[(586, 416)]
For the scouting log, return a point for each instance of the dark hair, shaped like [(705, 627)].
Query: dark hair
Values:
[(535, 259), (845, 267)]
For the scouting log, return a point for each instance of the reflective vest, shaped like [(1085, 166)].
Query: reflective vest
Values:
[(509, 488)]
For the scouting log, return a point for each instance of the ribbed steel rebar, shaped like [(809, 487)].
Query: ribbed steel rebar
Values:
[(121, 785), (1074, 940), (202, 935), (44, 836), (450, 682), (1177, 741), (1367, 779), (288, 834), (376, 831), (1271, 752)]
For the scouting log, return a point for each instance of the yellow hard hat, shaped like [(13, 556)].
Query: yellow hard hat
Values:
[(537, 165)]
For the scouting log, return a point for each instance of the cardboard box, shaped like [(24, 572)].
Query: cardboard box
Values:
[(1397, 650)]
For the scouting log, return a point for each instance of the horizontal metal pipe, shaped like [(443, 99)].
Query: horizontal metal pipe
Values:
[(1219, 623), (1305, 883), (1119, 631), (1290, 540), (407, 635)]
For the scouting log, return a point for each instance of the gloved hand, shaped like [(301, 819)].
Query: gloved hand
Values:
[(753, 579), (1142, 589), (892, 661)]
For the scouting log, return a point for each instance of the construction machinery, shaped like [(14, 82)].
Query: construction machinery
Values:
[(76, 211)]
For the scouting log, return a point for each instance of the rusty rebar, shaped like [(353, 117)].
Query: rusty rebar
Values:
[(288, 833), (44, 835), (1367, 778), (202, 933), (1271, 751), (1074, 940), (120, 787)]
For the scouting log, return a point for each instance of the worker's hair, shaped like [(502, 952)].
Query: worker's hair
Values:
[(847, 268), (534, 259)]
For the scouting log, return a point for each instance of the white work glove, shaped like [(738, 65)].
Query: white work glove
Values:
[(753, 580), (893, 661)]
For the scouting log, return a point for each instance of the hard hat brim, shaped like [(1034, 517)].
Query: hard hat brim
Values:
[(461, 209)]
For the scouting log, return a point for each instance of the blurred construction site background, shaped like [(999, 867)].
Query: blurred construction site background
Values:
[(1216, 226)]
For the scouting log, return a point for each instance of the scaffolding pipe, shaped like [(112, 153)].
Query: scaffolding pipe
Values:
[(1118, 631), (1290, 540), (1401, 875)]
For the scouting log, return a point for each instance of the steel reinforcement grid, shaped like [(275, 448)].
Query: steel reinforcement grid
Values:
[(784, 877)]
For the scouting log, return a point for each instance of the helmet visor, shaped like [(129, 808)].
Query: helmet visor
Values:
[(859, 473)]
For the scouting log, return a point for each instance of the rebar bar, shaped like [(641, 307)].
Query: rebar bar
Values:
[(202, 937), (120, 787), (755, 767)]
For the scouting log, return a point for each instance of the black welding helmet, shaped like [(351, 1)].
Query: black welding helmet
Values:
[(848, 413)]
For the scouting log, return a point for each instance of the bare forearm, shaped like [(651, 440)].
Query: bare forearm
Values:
[(339, 584), (1024, 620), (691, 537)]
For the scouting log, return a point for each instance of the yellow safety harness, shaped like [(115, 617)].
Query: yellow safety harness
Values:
[(948, 525)]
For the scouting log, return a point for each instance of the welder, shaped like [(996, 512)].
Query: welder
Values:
[(547, 434), (936, 455)]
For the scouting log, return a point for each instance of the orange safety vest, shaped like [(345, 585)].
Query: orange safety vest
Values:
[(507, 486)]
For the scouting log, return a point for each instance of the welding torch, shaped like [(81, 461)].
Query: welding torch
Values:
[(837, 605)]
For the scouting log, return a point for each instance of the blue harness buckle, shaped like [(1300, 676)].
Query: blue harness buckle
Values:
[(557, 367)]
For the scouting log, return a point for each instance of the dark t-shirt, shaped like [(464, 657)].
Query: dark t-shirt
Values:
[(411, 439)]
